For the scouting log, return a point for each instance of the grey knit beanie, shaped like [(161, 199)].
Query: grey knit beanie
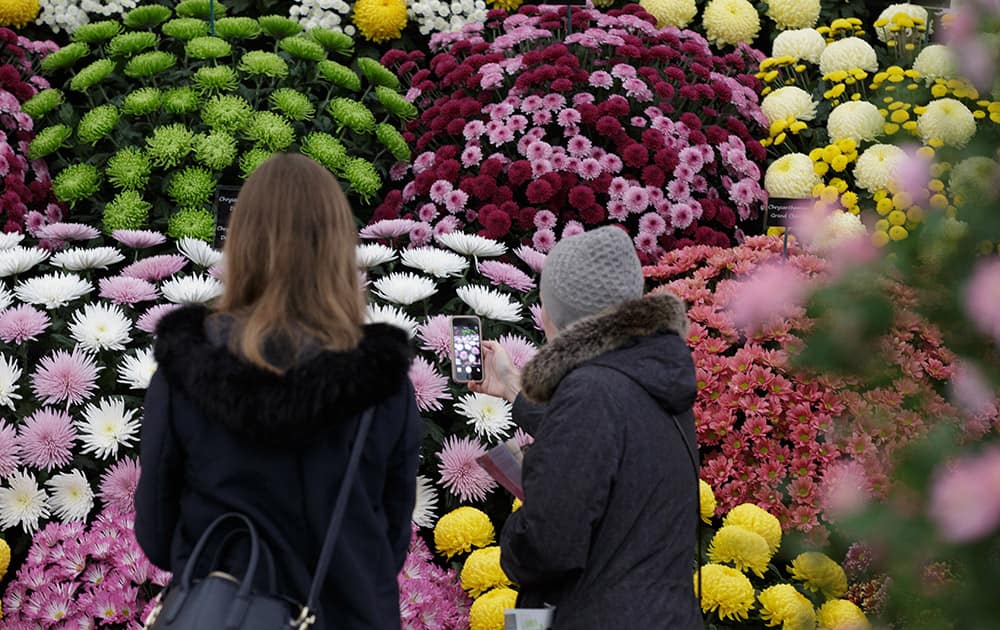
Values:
[(588, 273)]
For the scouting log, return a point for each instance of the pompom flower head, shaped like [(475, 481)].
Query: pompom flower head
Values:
[(847, 54), (227, 113), (791, 176), (706, 501), (380, 20), (17, 13), (730, 22), (46, 439), (129, 168), (192, 187), (142, 102), (756, 519), (462, 529), (169, 145), (858, 120), (460, 473), (261, 63), (76, 182), (784, 605), (841, 614), (727, 592), (208, 48), (948, 121), (745, 549), (482, 571), (192, 222), (788, 101), (805, 44), (216, 150), (819, 573), (877, 166), (677, 13), (270, 131), (127, 211), (213, 79), (788, 14), (292, 103), (487, 612), (186, 29)]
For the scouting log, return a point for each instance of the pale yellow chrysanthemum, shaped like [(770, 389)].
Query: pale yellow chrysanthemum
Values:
[(947, 120), (462, 529), (783, 605), (706, 501), (805, 44), (677, 13), (914, 12), (487, 611), (877, 165), (819, 574), (840, 614), (837, 228), (482, 571), (791, 176), (788, 101), (793, 13), (847, 54), (936, 62), (730, 22), (757, 519), (744, 549), (857, 120), (727, 592)]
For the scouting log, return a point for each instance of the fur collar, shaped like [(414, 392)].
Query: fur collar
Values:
[(287, 408), (591, 337)]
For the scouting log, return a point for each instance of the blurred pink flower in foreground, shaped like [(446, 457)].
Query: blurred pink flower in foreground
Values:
[(965, 497), (772, 292), (971, 391), (982, 298), (845, 489)]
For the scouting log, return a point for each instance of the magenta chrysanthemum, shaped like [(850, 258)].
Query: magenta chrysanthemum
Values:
[(501, 273), (156, 268), (149, 319), (22, 323), (460, 474), (68, 232), (46, 439), (436, 335), (139, 239), (9, 459), (429, 385), (118, 484), (127, 290), (65, 377), (519, 349)]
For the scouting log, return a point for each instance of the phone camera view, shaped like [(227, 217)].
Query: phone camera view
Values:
[(468, 363)]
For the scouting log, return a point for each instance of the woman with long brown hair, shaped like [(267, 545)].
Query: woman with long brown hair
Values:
[(255, 404)]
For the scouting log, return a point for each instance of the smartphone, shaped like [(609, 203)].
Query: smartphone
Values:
[(466, 349)]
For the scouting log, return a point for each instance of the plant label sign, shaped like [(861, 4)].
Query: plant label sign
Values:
[(781, 213), (225, 201)]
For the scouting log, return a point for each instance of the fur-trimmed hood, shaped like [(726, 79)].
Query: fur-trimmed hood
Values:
[(644, 338), (289, 408)]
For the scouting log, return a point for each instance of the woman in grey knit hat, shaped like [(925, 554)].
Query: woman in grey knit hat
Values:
[(607, 530)]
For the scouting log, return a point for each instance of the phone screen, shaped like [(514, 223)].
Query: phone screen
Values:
[(466, 342)]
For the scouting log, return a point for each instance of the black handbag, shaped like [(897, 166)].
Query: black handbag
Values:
[(220, 601)]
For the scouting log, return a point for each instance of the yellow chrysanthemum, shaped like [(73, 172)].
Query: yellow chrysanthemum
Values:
[(487, 611), (857, 120), (462, 529), (840, 614), (4, 557), (506, 5), (677, 13), (783, 605), (482, 571), (17, 13), (730, 22), (727, 592), (380, 20), (791, 176), (936, 62), (793, 13), (516, 505), (947, 120), (819, 573), (706, 501), (805, 44), (876, 166), (847, 54), (789, 101), (756, 519), (741, 547)]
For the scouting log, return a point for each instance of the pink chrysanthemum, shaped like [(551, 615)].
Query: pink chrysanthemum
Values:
[(536, 316), (681, 215), (531, 257), (544, 240), (439, 189), (388, 228), (544, 219), (589, 168), (460, 474), (645, 242), (518, 348), (127, 290), (601, 79), (22, 323), (68, 232), (653, 223), (9, 459), (118, 484), (636, 199), (46, 439), (436, 335), (149, 319), (139, 239), (501, 273), (572, 228), (429, 386), (64, 376), (156, 268)]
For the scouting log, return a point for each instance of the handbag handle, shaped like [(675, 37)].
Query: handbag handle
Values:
[(230, 540)]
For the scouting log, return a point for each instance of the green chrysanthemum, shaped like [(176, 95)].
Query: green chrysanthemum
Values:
[(200, 9), (128, 44), (76, 182), (48, 141), (92, 75), (215, 79), (208, 48), (279, 27), (96, 32), (128, 169), (334, 41), (191, 188), (340, 75), (64, 57), (192, 223), (143, 101), (325, 149), (148, 16), (226, 113), (270, 131), (302, 48), (253, 158), (216, 150), (182, 100), (237, 28), (293, 104), (352, 114), (362, 176), (150, 63), (42, 103), (169, 145), (377, 73), (127, 211), (394, 103), (394, 141), (259, 62), (185, 29), (97, 123)]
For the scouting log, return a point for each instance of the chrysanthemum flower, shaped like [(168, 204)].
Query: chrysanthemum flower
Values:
[(429, 385), (262, 63), (730, 22), (149, 320), (292, 103), (791, 176), (208, 48), (213, 79), (482, 571), (53, 290), (501, 273), (129, 168), (91, 75), (10, 240), (325, 149), (788, 101), (391, 139), (706, 501), (68, 232), (142, 102), (107, 426), (531, 257), (819, 574), (270, 131), (462, 529), (519, 349), (279, 26), (756, 519), (71, 498), (23, 503), (677, 13), (794, 13), (138, 239), (46, 439), (216, 150), (132, 43), (936, 62), (155, 268), (147, 16), (17, 13), (435, 334), (22, 323), (727, 592), (841, 614), (404, 288), (352, 114), (805, 44), (76, 182), (489, 416), (16, 260), (118, 484), (191, 289), (426, 503), (394, 102), (43, 102), (136, 370), (471, 244), (81, 258), (10, 376), (48, 141), (487, 611), (745, 549), (947, 120), (101, 326), (885, 18), (192, 187), (380, 20), (372, 255), (460, 473), (847, 54), (387, 229), (149, 63), (377, 313), (877, 166), (237, 28), (185, 29), (127, 290), (857, 120), (97, 123), (9, 457), (192, 222), (784, 605), (169, 145), (489, 303), (303, 48)]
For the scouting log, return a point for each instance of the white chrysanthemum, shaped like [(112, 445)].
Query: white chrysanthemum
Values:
[(136, 370), (947, 120), (791, 176), (72, 497), (436, 16), (677, 13), (101, 327), (17, 259), (936, 62), (424, 515), (793, 13), (489, 303), (379, 314), (108, 426), (22, 503), (10, 376), (10, 239), (80, 258), (439, 263), (61, 15), (914, 11), (972, 175), (489, 416), (191, 289), (471, 244), (330, 14), (805, 44), (199, 252), (788, 101), (6, 298), (858, 120), (877, 165), (53, 290), (373, 254), (404, 288), (847, 54), (840, 227)]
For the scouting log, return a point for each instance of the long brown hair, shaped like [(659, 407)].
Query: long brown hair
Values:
[(291, 274)]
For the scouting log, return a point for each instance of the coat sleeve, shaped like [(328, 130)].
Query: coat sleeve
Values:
[(568, 474), (157, 496), (400, 493), (527, 415)]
